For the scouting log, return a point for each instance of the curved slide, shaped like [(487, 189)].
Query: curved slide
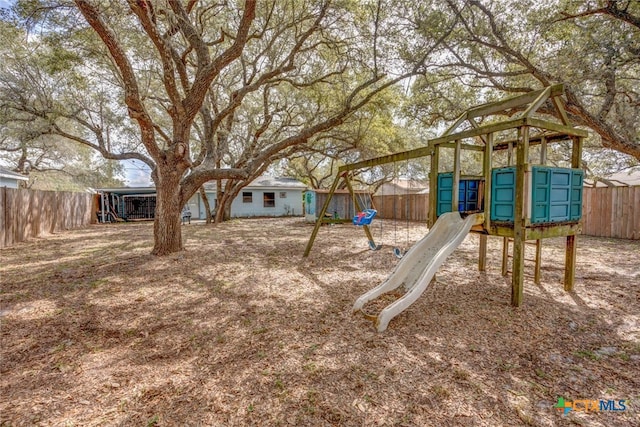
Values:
[(416, 269)]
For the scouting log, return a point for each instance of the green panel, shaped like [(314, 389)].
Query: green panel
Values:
[(503, 193), (445, 193), (540, 186), (556, 194), (577, 176)]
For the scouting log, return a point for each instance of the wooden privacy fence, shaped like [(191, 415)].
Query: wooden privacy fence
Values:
[(413, 206), (611, 212), (606, 212), (28, 213)]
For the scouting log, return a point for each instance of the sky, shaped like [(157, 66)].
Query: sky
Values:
[(137, 174)]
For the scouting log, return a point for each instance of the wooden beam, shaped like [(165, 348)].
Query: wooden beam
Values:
[(433, 186), (461, 118), (533, 107), (536, 273), (482, 256), (543, 151), (456, 178), (482, 130), (469, 147), (390, 158), (545, 124), (513, 102), (576, 153), (570, 264), (487, 166), (549, 137), (519, 233), (557, 102), (505, 256), (325, 206)]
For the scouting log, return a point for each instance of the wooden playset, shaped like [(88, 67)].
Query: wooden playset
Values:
[(523, 201)]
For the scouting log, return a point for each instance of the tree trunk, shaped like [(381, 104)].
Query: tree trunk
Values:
[(167, 229), (207, 207), (223, 208)]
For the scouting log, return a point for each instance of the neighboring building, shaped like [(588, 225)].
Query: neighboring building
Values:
[(11, 179), (128, 203), (266, 196), (400, 186)]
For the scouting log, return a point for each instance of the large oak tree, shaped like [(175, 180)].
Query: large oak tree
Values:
[(200, 90)]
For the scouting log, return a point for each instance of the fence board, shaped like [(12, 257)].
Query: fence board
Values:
[(414, 207), (3, 191), (636, 214), (26, 214)]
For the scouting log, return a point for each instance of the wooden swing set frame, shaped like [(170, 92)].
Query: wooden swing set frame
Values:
[(488, 139)]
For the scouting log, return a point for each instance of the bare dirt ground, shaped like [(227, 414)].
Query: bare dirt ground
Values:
[(239, 330)]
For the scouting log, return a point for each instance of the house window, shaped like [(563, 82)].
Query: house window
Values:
[(283, 194), (269, 200), (247, 197)]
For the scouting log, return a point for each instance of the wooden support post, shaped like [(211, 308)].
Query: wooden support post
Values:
[(487, 167), (482, 256), (320, 214), (543, 151), (536, 273), (367, 232), (570, 251), (505, 256), (510, 153), (455, 190), (519, 230), (433, 186), (570, 264)]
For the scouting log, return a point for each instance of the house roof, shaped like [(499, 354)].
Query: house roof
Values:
[(261, 182), (127, 190), (267, 182), (6, 173), (284, 182), (403, 186)]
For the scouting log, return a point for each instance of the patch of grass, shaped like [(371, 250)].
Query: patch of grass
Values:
[(506, 366), (440, 392), (279, 384), (460, 375), (540, 373), (586, 354), (153, 421)]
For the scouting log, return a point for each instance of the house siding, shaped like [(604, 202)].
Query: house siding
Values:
[(290, 205), (8, 182)]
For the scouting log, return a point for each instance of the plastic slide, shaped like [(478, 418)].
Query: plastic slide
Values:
[(418, 266)]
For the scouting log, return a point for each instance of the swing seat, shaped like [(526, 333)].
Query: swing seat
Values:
[(365, 217)]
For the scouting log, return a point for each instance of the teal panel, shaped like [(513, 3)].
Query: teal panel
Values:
[(503, 193), (445, 193), (540, 186), (556, 194), (577, 176), (468, 194)]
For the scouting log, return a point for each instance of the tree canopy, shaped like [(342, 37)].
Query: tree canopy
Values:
[(200, 90)]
